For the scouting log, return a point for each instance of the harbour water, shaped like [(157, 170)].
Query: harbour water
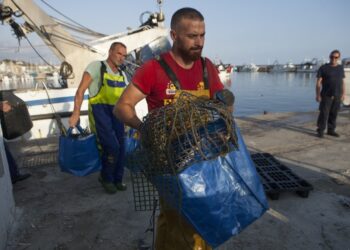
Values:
[(257, 93), (28, 81)]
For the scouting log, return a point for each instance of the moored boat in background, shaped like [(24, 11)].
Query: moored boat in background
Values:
[(249, 68), (288, 67), (225, 71), (309, 66), (346, 64), (45, 103)]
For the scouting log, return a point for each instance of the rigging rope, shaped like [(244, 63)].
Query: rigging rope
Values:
[(54, 9), (58, 119), (37, 52), (78, 29), (20, 34)]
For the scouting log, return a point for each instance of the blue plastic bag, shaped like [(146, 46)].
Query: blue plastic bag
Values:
[(219, 197), (131, 141), (78, 153)]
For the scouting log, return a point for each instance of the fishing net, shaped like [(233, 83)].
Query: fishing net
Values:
[(191, 130), (174, 137), (192, 158)]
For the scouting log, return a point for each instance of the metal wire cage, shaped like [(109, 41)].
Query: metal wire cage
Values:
[(173, 138)]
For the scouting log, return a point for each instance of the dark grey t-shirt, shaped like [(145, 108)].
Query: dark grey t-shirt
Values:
[(332, 79)]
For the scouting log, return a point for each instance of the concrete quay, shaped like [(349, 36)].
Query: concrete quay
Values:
[(55, 210)]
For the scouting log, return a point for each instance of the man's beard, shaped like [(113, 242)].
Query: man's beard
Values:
[(116, 63), (191, 54)]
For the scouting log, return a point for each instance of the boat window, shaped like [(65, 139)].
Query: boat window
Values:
[(154, 49), (150, 51)]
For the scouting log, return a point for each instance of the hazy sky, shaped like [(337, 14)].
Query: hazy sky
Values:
[(237, 31)]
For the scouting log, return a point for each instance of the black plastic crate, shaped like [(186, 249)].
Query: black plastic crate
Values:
[(277, 178)]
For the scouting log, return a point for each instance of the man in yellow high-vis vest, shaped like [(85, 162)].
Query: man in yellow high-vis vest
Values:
[(106, 82)]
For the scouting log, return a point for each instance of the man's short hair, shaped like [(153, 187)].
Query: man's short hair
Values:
[(113, 45), (188, 13), (334, 51)]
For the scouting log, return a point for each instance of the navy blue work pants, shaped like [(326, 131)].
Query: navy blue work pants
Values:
[(110, 135)]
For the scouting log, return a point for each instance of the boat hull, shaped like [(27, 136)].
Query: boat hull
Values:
[(346, 100), (45, 106)]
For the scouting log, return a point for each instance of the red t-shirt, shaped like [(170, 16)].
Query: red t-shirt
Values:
[(153, 81)]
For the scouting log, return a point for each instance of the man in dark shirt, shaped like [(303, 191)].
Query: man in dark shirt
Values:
[(330, 91), (14, 171)]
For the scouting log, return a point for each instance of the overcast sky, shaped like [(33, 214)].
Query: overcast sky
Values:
[(237, 31)]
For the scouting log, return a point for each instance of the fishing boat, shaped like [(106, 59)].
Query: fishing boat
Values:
[(249, 68), (346, 64), (288, 67), (309, 66), (225, 71), (45, 104)]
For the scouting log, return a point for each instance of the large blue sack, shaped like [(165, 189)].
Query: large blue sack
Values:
[(78, 153), (219, 197)]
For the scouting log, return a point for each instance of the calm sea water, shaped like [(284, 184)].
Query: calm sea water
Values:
[(257, 93)]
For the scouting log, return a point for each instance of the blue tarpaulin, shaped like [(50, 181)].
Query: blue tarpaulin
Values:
[(219, 197)]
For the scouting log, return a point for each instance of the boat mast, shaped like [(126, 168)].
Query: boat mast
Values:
[(61, 42), (74, 54)]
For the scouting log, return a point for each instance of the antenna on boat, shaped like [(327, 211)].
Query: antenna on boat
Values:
[(161, 14), (154, 19)]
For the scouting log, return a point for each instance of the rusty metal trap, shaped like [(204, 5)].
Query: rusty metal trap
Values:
[(277, 178), (173, 138)]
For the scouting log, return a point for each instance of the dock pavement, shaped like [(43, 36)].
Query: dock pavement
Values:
[(55, 210)]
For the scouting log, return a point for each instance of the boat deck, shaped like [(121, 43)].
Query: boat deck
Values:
[(55, 210)]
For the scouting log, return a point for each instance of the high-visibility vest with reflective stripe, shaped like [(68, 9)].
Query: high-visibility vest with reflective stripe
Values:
[(111, 89)]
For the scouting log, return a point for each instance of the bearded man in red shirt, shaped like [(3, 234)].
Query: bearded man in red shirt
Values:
[(160, 81)]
